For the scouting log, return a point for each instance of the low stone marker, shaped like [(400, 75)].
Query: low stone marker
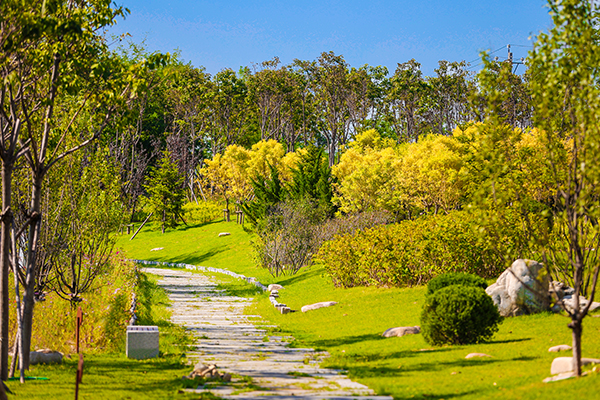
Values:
[(401, 331), (477, 355), (560, 347), (142, 342), (316, 306), (45, 356), (561, 365)]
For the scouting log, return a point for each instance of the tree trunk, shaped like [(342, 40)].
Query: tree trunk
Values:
[(577, 329), (29, 286), (7, 218)]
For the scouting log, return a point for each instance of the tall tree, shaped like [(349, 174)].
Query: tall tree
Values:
[(565, 90)]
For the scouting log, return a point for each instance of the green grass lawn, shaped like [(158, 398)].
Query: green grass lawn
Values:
[(404, 367)]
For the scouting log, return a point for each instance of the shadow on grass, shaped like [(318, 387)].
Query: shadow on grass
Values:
[(299, 277), (370, 371), (194, 258), (439, 395), (508, 341)]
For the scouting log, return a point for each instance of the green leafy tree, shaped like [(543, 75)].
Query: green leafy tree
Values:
[(565, 90), (166, 193)]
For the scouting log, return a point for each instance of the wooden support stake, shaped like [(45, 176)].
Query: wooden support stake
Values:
[(141, 226), (79, 321), (79, 376)]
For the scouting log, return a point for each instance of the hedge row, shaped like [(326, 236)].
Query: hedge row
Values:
[(409, 253)]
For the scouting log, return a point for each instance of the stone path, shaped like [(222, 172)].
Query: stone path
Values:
[(233, 341)]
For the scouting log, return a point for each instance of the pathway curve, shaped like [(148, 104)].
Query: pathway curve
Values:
[(233, 341)]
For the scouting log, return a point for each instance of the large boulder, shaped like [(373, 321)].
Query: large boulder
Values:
[(521, 289)]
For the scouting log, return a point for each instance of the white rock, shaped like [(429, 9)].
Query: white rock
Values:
[(401, 331), (560, 347), (316, 306), (45, 356), (521, 289), (157, 249), (476, 355), (561, 365), (559, 377), (224, 234), (274, 286)]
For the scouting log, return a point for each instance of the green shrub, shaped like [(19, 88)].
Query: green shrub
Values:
[(202, 212), (409, 253), (455, 278), (459, 314)]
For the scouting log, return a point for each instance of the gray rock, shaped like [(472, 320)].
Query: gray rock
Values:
[(274, 286), (476, 355), (401, 331), (316, 306), (568, 302), (521, 289), (561, 365), (45, 356), (560, 347), (285, 310), (224, 234)]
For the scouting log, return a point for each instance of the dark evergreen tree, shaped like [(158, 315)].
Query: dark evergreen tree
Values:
[(268, 192), (312, 180)]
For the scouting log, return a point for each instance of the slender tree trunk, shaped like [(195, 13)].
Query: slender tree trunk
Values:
[(29, 286), (576, 328), (7, 219)]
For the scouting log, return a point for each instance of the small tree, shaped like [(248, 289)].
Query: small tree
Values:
[(166, 193)]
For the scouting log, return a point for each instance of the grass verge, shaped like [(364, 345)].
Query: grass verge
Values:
[(113, 375)]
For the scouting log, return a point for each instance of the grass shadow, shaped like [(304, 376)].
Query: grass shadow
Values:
[(192, 258), (299, 277)]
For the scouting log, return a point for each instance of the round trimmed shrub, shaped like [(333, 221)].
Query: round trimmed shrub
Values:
[(455, 278), (459, 314)]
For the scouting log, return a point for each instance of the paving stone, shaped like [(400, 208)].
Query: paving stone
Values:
[(231, 340)]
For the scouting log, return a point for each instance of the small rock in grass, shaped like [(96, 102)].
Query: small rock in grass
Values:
[(560, 347), (224, 234), (45, 356), (476, 355), (316, 306), (401, 331), (226, 377), (274, 286), (562, 365), (157, 249), (559, 377)]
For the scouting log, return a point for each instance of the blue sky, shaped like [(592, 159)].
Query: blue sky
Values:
[(230, 34)]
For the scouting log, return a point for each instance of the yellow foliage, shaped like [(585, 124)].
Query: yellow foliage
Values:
[(433, 173)]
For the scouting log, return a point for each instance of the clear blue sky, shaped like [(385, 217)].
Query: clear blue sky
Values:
[(230, 34)]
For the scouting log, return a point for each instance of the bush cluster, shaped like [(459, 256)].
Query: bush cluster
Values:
[(459, 314), (409, 253), (455, 278)]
